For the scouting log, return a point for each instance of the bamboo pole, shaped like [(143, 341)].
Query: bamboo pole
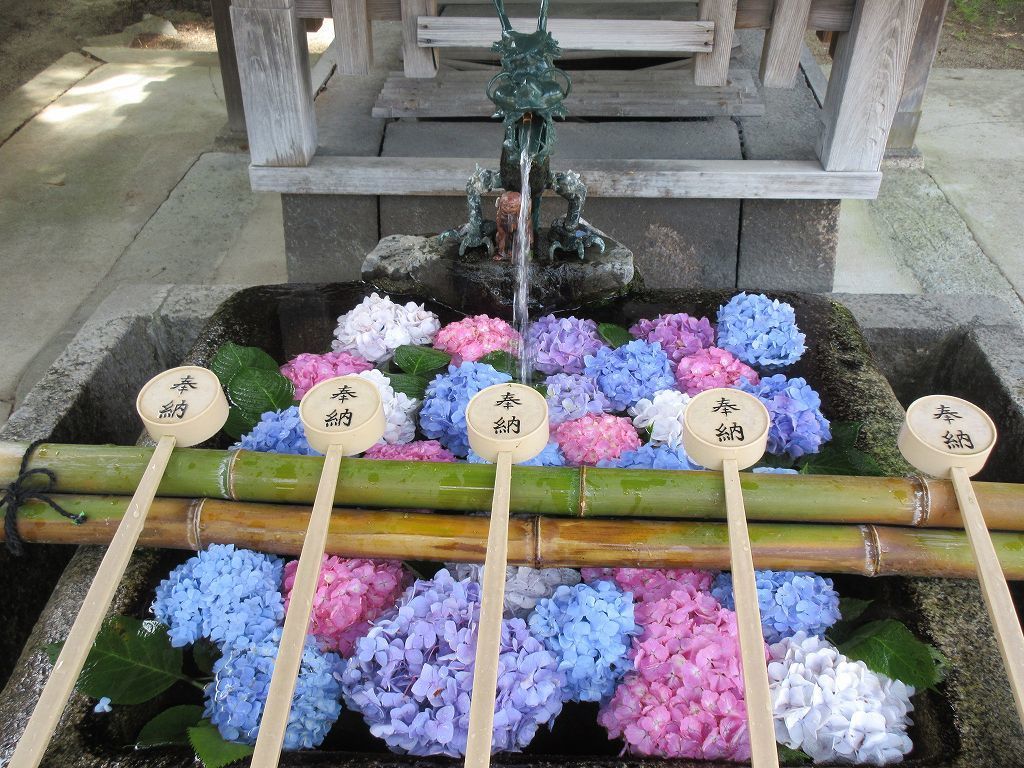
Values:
[(193, 524), (559, 491)]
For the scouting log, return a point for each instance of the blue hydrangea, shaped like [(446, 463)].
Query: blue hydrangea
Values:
[(760, 331), (790, 602), (223, 594), (241, 681), (278, 432), (551, 456), (798, 426), (411, 676), (652, 457), (588, 627), (775, 471), (443, 415), (630, 373), (571, 396)]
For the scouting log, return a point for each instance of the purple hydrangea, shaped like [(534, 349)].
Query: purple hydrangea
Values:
[(241, 681), (760, 331), (443, 415), (223, 594), (798, 426), (411, 676), (588, 627), (790, 602), (559, 344), (630, 373), (551, 456), (680, 335), (278, 432), (652, 457), (775, 471), (571, 396)]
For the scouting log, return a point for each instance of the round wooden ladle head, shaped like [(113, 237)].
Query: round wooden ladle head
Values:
[(721, 424), (345, 411), (185, 403), (507, 418), (941, 432)]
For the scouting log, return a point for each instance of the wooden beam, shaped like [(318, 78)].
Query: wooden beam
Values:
[(221, 10), (273, 70), (919, 68), (713, 68), (427, 176), (572, 34), (323, 69), (780, 56), (353, 32), (866, 83), (416, 61), (814, 74)]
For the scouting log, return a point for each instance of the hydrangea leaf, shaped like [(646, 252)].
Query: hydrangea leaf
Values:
[(850, 609), (257, 391), (170, 727), (204, 654), (131, 661), (889, 648), (240, 422), (615, 335), (231, 359), (418, 360), (212, 749), (841, 456), (505, 362), (789, 756), (413, 386)]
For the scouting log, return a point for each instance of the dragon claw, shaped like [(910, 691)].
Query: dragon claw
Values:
[(468, 237), (577, 241)]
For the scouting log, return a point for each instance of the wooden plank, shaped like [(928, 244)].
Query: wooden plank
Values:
[(417, 62), (780, 57), (323, 69), (573, 34), (428, 176), (354, 35), (713, 68), (595, 93), (814, 74), (866, 83), (273, 71), (919, 67), (221, 10)]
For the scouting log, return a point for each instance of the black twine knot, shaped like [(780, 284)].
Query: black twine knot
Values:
[(15, 495)]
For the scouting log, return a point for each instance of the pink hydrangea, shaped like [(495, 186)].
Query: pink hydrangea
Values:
[(420, 450), (472, 338), (307, 370), (710, 368), (680, 334), (652, 583), (350, 594), (595, 437)]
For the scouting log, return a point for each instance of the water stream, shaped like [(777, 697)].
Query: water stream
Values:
[(521, 263)]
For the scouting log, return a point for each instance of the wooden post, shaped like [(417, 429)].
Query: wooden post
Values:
[(352, 30), (418, 62), (922, 57), (780, 57), (228, 64), (866, 83), (713, 68), (273, 69)]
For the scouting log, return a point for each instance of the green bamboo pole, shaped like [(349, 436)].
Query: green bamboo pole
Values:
[(193, 524), (558, 491)]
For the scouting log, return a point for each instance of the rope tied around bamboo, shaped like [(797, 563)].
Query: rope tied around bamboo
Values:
[(21, 490)]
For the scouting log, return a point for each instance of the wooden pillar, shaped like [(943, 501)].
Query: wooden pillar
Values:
[(922, 57), (417, 62), (713, 68), (273, 69), (866, 83), (780, 57), (228, 64), (353, 36)]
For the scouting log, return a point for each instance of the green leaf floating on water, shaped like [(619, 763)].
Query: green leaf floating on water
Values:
[(413, 386), (419, 360), (131, 661), (850, 609), (212, 749), (252, 392), (505, 362), (615, 335), (789, 756), (231, 359), (170, 727), (840, 456), (891, 649)]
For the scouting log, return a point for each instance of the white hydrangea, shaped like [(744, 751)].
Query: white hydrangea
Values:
[(399, 409), (835, 709), (376, 327), (524, 586), (663, 414)]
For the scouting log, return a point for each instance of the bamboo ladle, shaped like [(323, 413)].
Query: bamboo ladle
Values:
[(342, 416), (949, 437), (727, 430), (506, 424), (179, 407)]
